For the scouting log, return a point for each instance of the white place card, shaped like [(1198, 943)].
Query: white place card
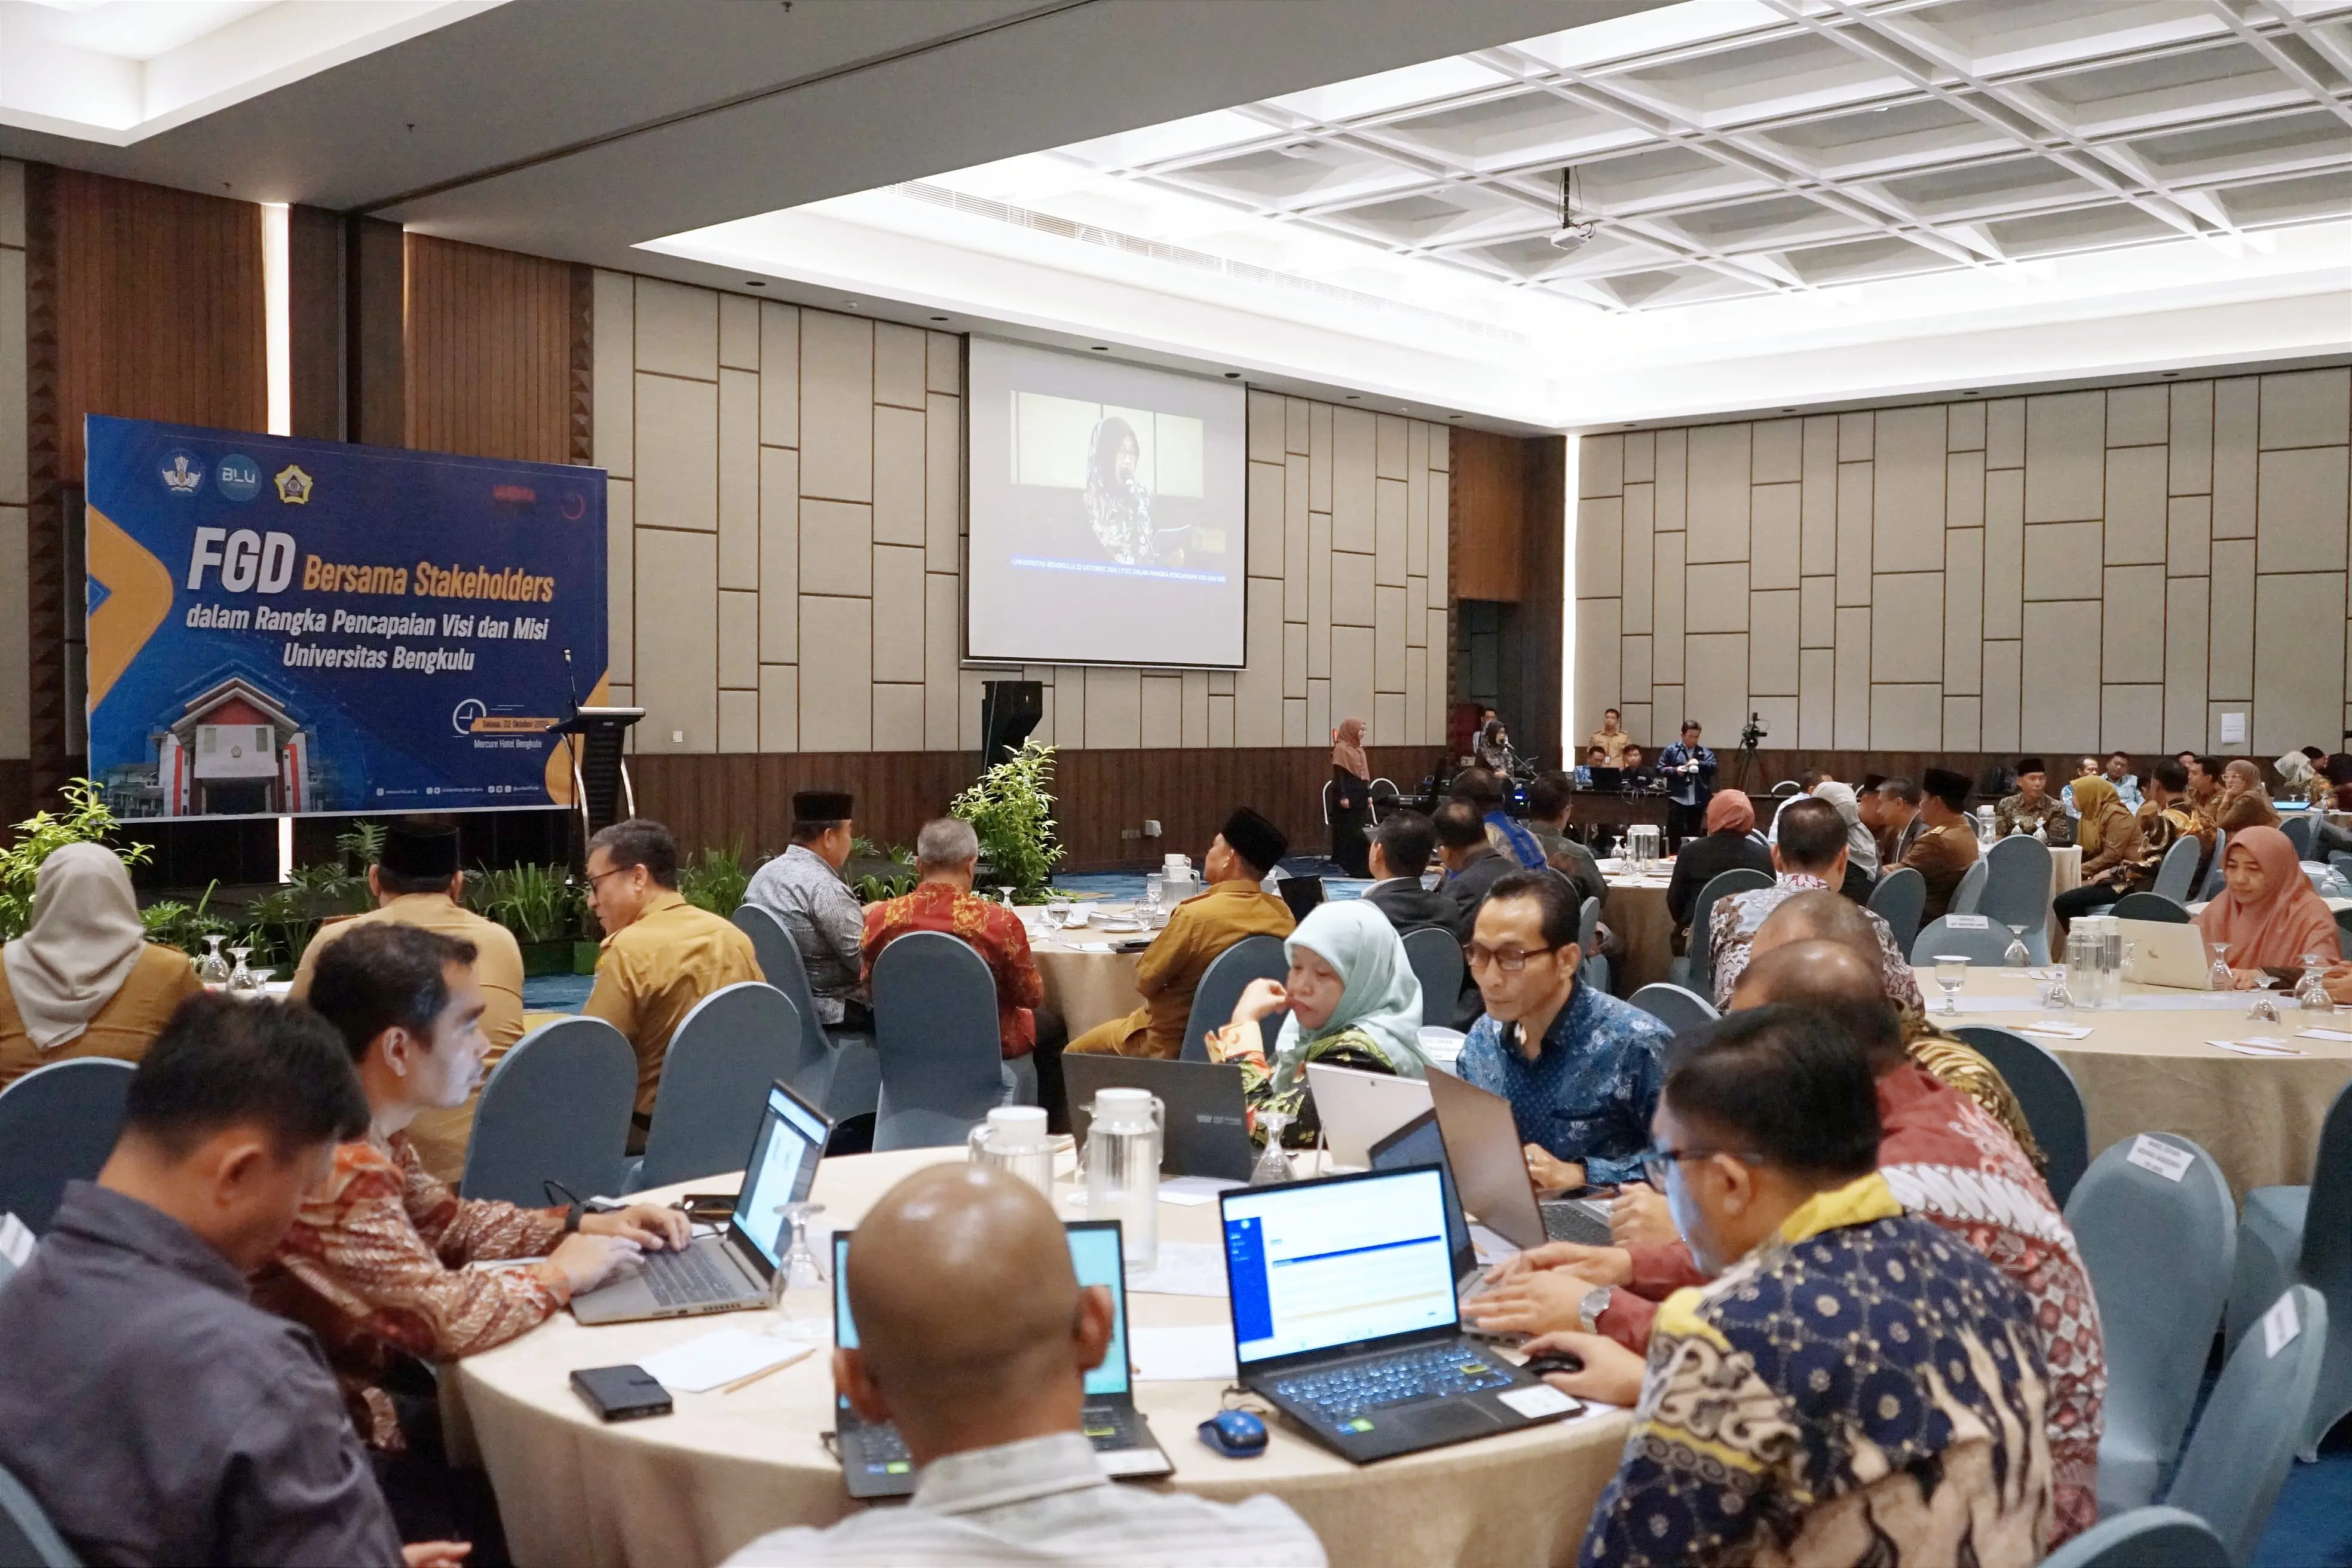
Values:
[(2057, 1031), (2166, 1160), (1968, 923), (2257, 1045), (2280, 1324), (2322, 1035), (1539, 1401)]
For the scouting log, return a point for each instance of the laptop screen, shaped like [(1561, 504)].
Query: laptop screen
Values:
[(1419, 1141), (782, 1169), (1316, 1264), (1094, 1257)]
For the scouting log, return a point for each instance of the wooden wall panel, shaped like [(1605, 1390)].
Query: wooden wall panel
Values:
[(488, 345), (1489, 512)]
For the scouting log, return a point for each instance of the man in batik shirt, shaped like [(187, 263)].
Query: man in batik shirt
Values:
[(2033, 808), (1809, 852)]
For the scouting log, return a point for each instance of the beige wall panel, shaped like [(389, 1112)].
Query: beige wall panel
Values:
[(1776, 512), (15, 652), (2188, 535), (13, 385), (1674, 481), (1718, 493), (780, 555), (1318, 597), (2307, 408), (1964, 490), (1966, 430), (942, 646), (1667, 599), (1906, 718), (1416, 506), (1963, 722), (1963, 610), (1302, 721), (738, 639), (899, 607), (738, 332), (678, 330), (1636, 558), (1388, 725), (2132, 718), (2300, 511), (836, 666), (612, 431), (899, 367), (1441, 675), (678, 657), (1598, 647), (1907, 628), (1640, 456), (1351, 687), (1298, 427), (1268, 419), (2004, 554), (1390, 511), (1817, 618), (1220, 719), (1266, 504), (739, 722), (1440, 449), (898, 718), (1416, 697), (1667, 709), (1777, 455), (1716, 599), (1907, 491), (836, 407), (1257, 685), (1816, 697), (2004, 444), (1195, 695), (2138, 416), (2191, 445), (780, 708), (2229, 660), (899, 461), (1351, 591), (1855, 438), (1069, 713), (2062, 559), (1600, 465), (12, 203), (1440, 545), (1288, 539), (1819, 554), (1351, 480), (2136, 505), (1163, 711), (1389, 640), (1853, 533), (1773, 643), (836, 548), (1600, 539), (739, 478), (1300, 533), (1717, 693), (1294, 659), (677, 454), (1322, 438), (779, 376), (1777, 714), (2298, 676), (1633, 684), (1221, 683), (2060, 711), (2132, 646), (2065, 434), (1115, 697), (943, 483), (943, 363), (2001, 682), (1853, 677), (1389, 446), (2235, 406), (620, 580)]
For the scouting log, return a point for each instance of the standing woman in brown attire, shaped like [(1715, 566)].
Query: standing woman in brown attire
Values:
[(83, 980), (1351, 799)]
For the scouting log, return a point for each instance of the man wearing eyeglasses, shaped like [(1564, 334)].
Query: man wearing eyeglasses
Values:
[(1581, 1068)]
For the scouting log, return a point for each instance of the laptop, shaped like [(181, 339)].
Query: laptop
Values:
[(1358, 1109), (2164, 954), (873, 1458), (1345, 1317), (1486, 1156), (1419, 1141), (1207, 1125), (1607, 778), (1301, 893), (727, 1273)]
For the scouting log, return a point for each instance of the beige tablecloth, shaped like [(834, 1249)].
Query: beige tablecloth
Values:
[(2152, 1072), (690, 1488), (1635, 910)]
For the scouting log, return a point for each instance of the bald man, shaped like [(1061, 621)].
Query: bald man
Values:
[(988, 1402)]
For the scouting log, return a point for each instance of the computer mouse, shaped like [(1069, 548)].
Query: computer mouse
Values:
[(1554, 1361), (1235, 1434)]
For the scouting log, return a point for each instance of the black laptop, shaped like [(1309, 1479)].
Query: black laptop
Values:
[(1207, 1126), (1607, 778), (1345, 1317), (1300, 893)]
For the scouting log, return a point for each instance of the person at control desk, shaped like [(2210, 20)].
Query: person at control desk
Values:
[(1638, 773)]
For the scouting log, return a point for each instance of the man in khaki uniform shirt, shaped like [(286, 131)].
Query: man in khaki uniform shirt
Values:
[(1945, 850), (1198, 929), (662, 956), (416, 882)]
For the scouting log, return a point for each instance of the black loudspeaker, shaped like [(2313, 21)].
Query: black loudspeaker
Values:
[(1009, 710)]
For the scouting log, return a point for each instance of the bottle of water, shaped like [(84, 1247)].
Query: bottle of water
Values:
[(1123, 1146), (2082, 979), (2111, 962)]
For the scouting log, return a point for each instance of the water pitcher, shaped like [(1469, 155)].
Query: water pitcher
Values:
[(1123, 1168), (1013, 1139)]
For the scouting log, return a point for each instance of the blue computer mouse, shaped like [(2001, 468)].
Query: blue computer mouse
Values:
[(1235, 1434)]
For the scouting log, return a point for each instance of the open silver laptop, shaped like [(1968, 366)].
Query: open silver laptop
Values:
[(1359, 1109), (727, 1273), (2165, 953), (1489, 1166)]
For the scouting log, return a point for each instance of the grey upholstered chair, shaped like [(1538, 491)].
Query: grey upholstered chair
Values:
[(555, 1108), (57, 1124)]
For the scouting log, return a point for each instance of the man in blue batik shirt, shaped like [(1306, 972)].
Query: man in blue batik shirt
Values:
[(1584, 1094), (1688, 769)]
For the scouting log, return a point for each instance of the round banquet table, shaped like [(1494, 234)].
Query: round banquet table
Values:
[(2146, 1067), (692, 1487), (1635, 910), (1084, 982)]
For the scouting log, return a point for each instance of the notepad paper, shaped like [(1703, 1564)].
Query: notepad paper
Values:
[(2322, 1035), (721, 1357), (1182, 1269), (1202, 1353), (2257, 1045), (2056, 1031)]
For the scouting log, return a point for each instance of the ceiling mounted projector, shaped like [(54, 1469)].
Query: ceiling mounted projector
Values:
[(1573, 233)]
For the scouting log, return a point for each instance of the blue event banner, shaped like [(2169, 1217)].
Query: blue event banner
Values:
[(280, 626)]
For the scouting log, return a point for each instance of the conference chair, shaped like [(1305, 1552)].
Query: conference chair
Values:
[(1383, 796), (942, 1057), (1436, 958), (2210, 887), (1900, 899), (2159, 1249), (1679, 1009), (27, 1536), (1785, 788), (2342, 862), (836, 1069), (1969, 889), (1259, 957), (1698, 963), (2149, 907), (2177, 873), (2290, 1235), (2300, 827), (1983, 946), (2237, 1458), (1594, 971), (2145, 1538), (715, 1077), (556, 1108), (2017, 893), (57, 1124), (2047, 1093)]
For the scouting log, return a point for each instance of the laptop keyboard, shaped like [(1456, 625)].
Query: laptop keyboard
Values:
[(1343, 1394), (1108, 1426), (1568, 1220), (688, 1279)]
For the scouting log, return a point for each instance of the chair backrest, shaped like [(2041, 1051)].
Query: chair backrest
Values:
[(1326, 802), (1970, 891), (781, 966), (1899, 899), (2326, 1261), (2300, 827), (57, 1124), (2237, 1459), (1788, 787), (27, 1536), (1721, 885), (2047, 1093), (1983, 946), (2016, 888), (2160, 1252), (1258, 957), (2177, 870), (1383, 796), (2149, 907), (556, 1106), (2144, 1538), (1435, 955), (2212, 886), (1587, 926), (935, 1021), (715, 1077), (1680, 1010)]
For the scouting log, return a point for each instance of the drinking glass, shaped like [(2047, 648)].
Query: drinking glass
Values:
[(802, 1271), (2264, 1008), (241, 981), (2220, 978), (1155, 890), (2015, 956), (1007, 893), (1057, 913), (2309, 995), (213, 969), (1951, 973), (1273, 1167)]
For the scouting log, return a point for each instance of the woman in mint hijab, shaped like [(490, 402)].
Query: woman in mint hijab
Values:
[(1353, 1001)]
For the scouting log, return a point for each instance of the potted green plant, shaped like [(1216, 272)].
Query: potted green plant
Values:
[(1011, 811), (536, 903), (85, 820)]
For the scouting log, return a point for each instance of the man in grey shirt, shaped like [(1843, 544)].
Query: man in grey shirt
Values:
[(803, 887), (152, 1411)]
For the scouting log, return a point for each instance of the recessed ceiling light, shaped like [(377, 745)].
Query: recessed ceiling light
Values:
[(1787, 411), (1353, 398), (1102, 348), (851, 303), (938, 318), (1453, 416), (753, 283), (2170, 374), (1233, 375), (1972, 392), (1628, 424)]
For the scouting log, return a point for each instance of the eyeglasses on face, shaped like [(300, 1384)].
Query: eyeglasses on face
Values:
[(1510, 960), (1655, 1162)]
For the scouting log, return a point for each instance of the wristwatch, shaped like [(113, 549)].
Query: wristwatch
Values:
[(1589, 1311)]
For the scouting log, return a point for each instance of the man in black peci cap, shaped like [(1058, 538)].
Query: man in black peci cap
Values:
[(803, 888), (1199, 929), (1947, 846)]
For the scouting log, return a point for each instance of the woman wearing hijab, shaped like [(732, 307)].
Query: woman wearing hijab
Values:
[(1353, 1001), (2267, 913), (1351, 793), (2113, 850), (1729, 843), (83, 980), (1861, 843)]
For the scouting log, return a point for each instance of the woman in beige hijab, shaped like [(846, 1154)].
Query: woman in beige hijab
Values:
[(1349, 799), (83, 980)]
